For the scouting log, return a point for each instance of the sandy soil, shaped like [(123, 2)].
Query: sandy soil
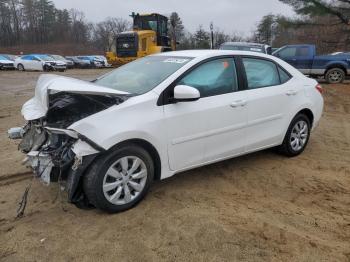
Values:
[(260, 207)]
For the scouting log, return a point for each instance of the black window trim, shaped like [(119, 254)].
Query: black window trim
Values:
[(165, 99), (244, 74)]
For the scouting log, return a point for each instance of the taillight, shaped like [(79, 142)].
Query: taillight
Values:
[(319, 88)]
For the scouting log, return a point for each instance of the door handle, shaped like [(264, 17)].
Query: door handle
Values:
[(238, 103), (291, 92)]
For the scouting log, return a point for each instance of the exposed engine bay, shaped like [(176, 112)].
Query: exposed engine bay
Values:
[(53, 151)]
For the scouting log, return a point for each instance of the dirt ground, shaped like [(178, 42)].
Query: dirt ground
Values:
[(260, 207)]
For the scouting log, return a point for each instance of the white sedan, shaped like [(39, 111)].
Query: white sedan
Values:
[(161, 115), (39, 62)]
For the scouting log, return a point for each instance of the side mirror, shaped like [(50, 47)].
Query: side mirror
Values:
[(183, 93)]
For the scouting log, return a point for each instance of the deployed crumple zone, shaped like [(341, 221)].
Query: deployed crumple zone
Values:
[(53, 150)]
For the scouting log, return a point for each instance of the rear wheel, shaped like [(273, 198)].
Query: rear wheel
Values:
[(119, 180), (297, 136), (20, 67), (335, 76)]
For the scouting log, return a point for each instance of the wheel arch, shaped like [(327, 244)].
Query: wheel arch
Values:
[(149, 148), (337, 65), (308, 113)]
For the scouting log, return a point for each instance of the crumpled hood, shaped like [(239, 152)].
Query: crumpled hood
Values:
[(37, 106)]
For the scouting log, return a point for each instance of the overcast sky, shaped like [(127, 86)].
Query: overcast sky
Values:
[(229, 15)]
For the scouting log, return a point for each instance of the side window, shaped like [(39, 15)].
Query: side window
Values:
[(302, 51), (283, 75), (288, 52), (260, 73), (213, 78), (27, 57)]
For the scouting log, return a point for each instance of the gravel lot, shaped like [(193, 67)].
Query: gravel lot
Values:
[(260, 207)]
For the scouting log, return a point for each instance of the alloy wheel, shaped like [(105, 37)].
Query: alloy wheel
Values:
[(124, 180), (299, 135), (335, 76)]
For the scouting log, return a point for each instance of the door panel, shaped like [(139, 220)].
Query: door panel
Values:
[(226, 122), (185, 125), (267, 108)]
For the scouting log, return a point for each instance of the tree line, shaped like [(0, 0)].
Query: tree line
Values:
[(325, 23), (38, 22)]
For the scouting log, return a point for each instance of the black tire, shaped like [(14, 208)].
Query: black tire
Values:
[(20, 67), (286, 147), (94, 178), (335, 76), (46, 68)]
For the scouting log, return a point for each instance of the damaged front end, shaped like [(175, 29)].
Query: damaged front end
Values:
[(53, 151)]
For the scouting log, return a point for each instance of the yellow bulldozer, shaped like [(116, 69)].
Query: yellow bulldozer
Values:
[(149, 36)]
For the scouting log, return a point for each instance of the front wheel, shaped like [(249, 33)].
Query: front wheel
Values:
[(297, 136), (20, 67), (335, 76), (119, 180)]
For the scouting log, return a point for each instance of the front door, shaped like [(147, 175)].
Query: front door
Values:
[(211, 128)]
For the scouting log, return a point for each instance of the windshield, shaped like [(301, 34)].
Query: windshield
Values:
[(3, 58), (242, 48), (142, 75), (58, 57)]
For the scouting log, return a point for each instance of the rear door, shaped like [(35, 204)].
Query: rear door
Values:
[(301, 57), (270, 92)]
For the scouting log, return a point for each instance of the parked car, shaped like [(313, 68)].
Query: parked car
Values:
[(104, 60), (334, 68), (161, 115), (244, 46), (79, 63), (10, 57), (70, 64), (94, 62), (6, 63), (39, 62)]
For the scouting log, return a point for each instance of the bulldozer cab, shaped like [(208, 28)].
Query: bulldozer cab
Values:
[(155, 22)]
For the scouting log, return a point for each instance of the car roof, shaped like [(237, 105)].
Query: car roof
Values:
[(209, 53), (244, 44)]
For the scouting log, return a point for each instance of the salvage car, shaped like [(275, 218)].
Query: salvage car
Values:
[(39, 62), (6, 63), (69, 63), (94, 61), (79, 63), (109, 139), (247, 46), (104, 60)]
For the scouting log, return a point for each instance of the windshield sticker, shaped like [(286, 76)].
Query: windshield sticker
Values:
[(175, 60)]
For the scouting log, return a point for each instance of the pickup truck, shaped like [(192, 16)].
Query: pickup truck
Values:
[(334, 68)]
